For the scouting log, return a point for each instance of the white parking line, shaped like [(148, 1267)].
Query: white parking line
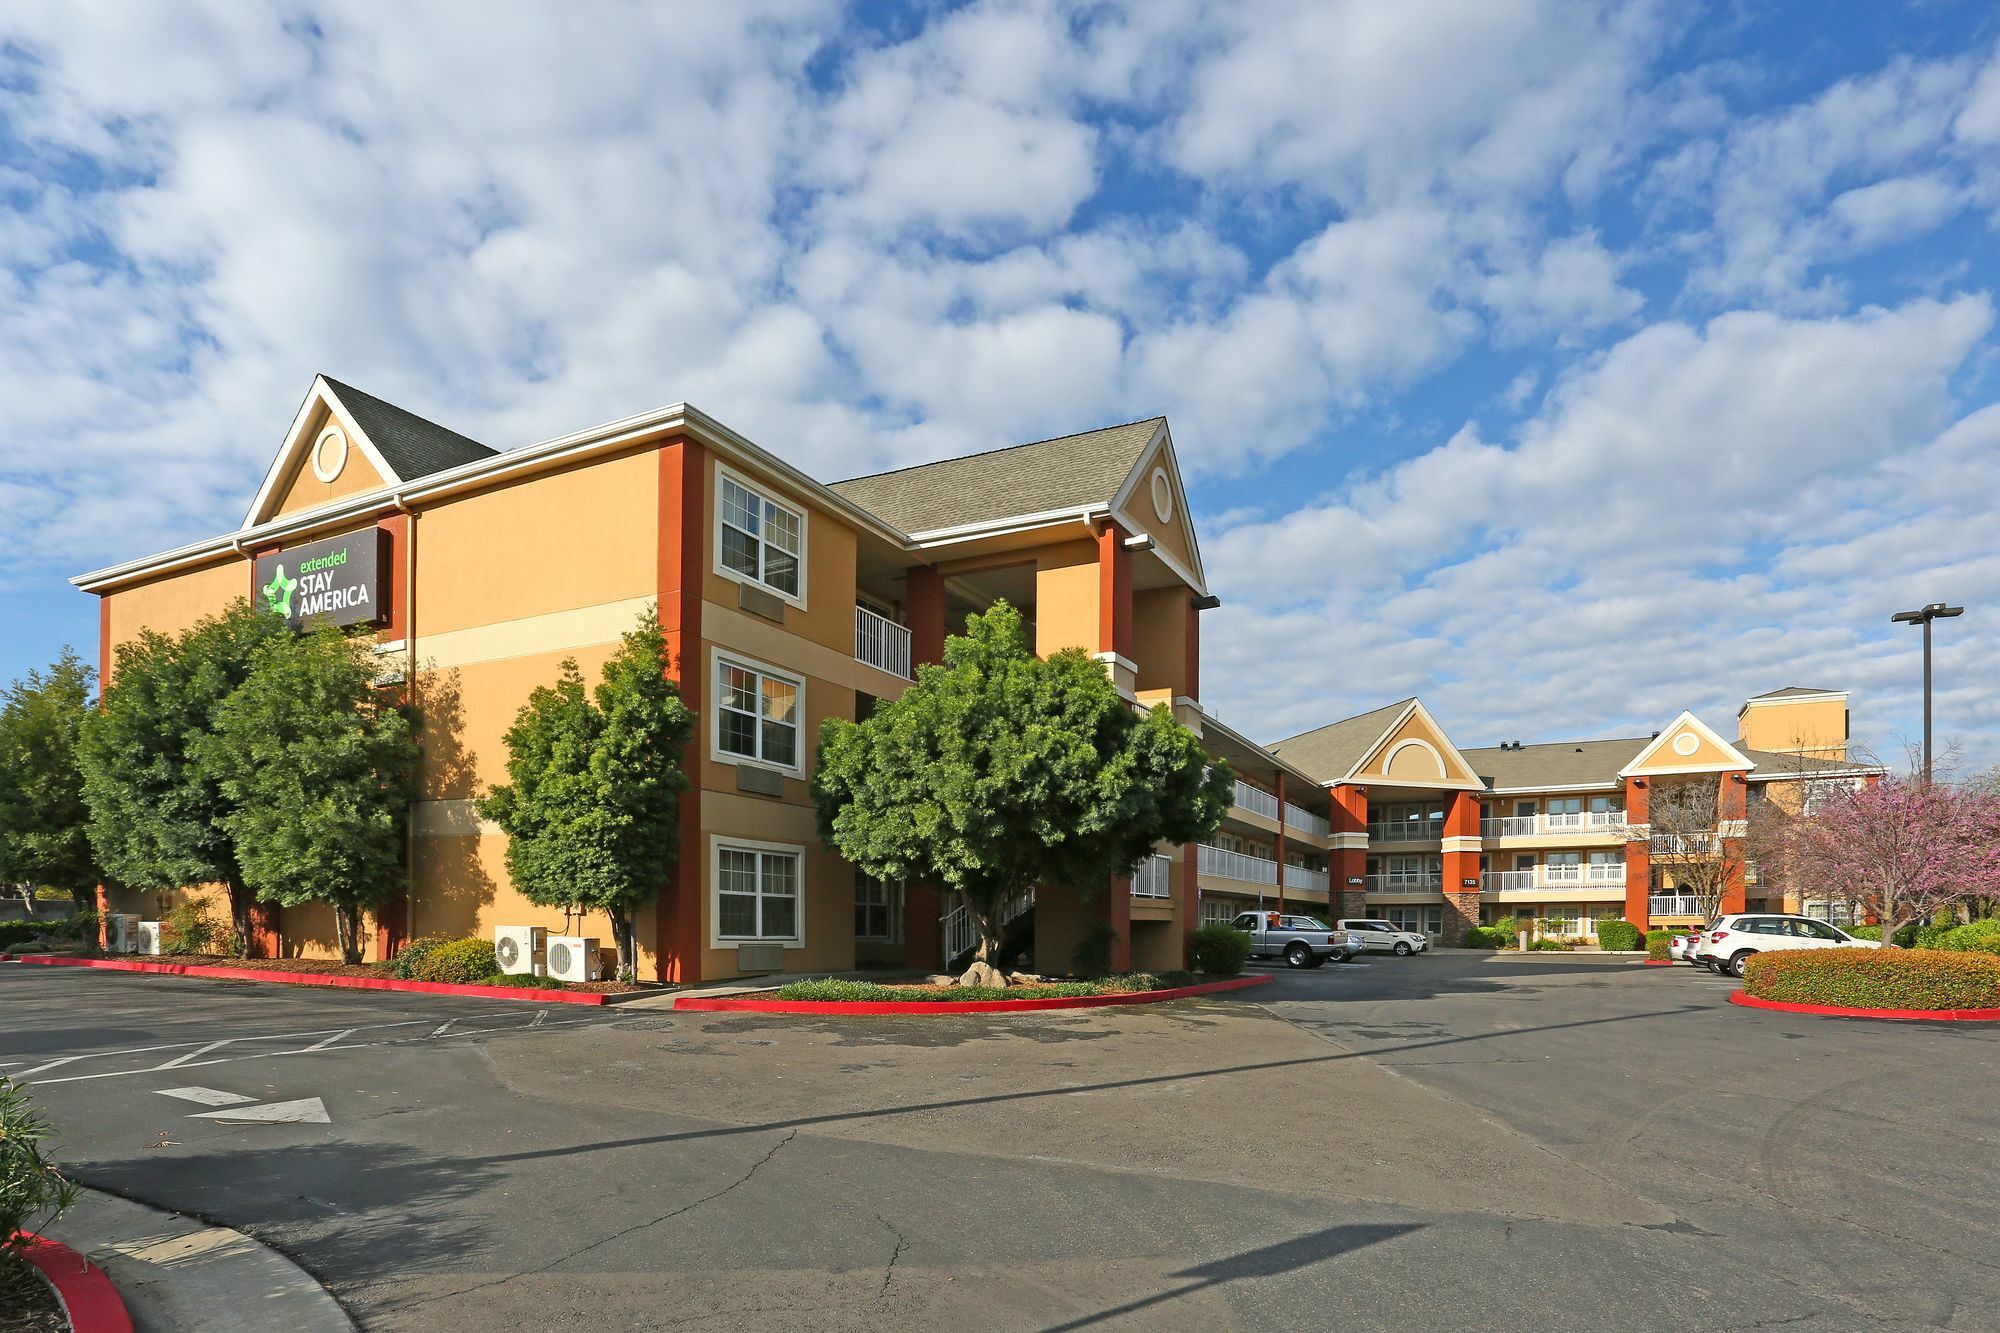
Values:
[(178, 1061), (322, 1045)]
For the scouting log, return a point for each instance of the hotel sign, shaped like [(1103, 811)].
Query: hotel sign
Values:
[(339, 581)]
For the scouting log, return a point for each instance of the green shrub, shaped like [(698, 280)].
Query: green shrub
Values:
[(851, 991), (1906, 934), (522, 979), (1218, 950), (1092, 955), (1665, 933), (412, 955), (1877, 978), (1118, 981), (460, 962), (1978, 937), (1175, 978), (1657, 949), (32, 1192), (20, 932), (1619, 937), (1864, 932), (1488, 937), (82, 926), (187, 929), (1546, 945)]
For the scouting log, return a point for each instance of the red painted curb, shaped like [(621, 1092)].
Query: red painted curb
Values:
[(92, 1303), (323, 979), (736, 1004), (1658, 962), (1843, 1011)]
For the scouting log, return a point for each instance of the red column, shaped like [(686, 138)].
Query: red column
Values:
[(1732, 806), (1190, 894), (398, 527), (266, 932), (682, 522), (1638, 857), (1461, 865), (1281, 840), (1114, 592), (103, 679), (1349, 864), (1117, 913), (923, 911), (1193, 662)]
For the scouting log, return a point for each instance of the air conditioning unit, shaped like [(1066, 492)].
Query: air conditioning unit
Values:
[(520, 949), (760, 957), (573, 958), (148, 940), (121, 932)]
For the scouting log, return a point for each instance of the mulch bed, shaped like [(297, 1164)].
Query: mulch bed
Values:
[(28, 1303)]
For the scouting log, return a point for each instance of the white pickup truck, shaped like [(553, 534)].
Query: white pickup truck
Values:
[(1302, 941)]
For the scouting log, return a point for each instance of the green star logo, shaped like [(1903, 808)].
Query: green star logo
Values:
[(278, 593)]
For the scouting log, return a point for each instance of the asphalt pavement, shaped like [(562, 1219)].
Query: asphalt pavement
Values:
[(1458, 1141)]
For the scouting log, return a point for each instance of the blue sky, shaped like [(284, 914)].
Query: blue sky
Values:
[(1565, 364)]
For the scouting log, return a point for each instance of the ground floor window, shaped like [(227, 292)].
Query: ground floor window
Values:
[(757, 893), (878, 908), (1560, 921), (1423, 920), (1835, 912), (1599, 915), (1217, 911)]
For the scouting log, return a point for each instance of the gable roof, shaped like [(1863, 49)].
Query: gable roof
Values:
[(1047, 476), (1793, 692), (1555, 763), (1330, 752), (410, 445), (1649, 759)]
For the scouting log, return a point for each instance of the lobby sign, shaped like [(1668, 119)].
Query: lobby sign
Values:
[(341, 581)]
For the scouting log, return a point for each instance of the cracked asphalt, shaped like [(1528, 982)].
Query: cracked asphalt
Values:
[(1453, 1141)]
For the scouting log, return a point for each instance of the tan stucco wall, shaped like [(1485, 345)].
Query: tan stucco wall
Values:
[(1066, 598), (828, 889), (301, 488), (1159, 638), (175, 602), (1815, 726), (1414, 764), (1174, 535), (1666, 759), (827, 618)]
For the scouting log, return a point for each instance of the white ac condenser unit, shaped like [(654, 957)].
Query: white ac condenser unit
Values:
[(573, 958), (520, 950), (148, 938), (121, 932)]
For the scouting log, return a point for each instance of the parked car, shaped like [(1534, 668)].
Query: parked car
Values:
[(1730, 941), (1680, 947), (1383, 936), (1302, 941)]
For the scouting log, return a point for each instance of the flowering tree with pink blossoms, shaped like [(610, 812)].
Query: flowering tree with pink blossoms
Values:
[(1902, 849)]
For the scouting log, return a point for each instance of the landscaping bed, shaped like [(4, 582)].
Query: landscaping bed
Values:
[(1887, 982), (28, 1304), (365, 976), (864, 997)]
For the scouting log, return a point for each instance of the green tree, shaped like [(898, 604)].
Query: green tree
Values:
[(44, 822), (595, 778), (158, 818), (316, 765), (1000, 771)]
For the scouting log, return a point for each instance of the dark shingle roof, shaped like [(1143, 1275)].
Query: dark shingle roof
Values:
[(1555, 763), (1791, 692), (412, 446), (1776, 763), (1064, 473), (1329, 752)]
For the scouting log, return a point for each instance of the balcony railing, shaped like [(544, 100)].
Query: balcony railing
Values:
[(1306, 820), (1675, 906), (881, 642), (1236, 865), (1687, 844), (1406, 883), (1151, 879), (960, 934), (1594, 876), (1256, 800), (1299, 877), (1534, 826)]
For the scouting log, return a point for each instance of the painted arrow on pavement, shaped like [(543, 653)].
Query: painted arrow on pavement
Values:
[(305, 1111)]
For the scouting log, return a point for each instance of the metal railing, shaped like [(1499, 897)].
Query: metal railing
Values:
[(1236, 865), (881, 642), (1381, 883), (1556, 877), (1307, 821), (1299, 877), (1687, 844), (960, 934), (1531, 826), (1407, 830), (1256, 800), (1152, 878), (1676, 906)]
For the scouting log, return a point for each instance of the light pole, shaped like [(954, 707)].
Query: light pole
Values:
[(1924, 617)]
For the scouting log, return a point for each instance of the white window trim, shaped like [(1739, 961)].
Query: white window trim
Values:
[(765, 492), (721, 842), (717, 657)]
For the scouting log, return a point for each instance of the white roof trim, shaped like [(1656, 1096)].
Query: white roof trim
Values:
[(1416, 706), (1197, 577), (1819, 697), (1641, 765), (296, 444)]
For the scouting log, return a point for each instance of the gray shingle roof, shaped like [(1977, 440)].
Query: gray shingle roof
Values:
[(1776, 763), (1792, 692), (1328, 752), (1555, 763), (412, 446), (1068, 472)]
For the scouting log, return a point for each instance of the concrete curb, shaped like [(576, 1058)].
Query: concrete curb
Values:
[(178, 1273), (85, 1293), (724, 1004), (1846, 1011)]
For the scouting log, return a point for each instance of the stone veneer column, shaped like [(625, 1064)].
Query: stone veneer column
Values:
[(1349, 857), (1461, 865), (1638, 854)]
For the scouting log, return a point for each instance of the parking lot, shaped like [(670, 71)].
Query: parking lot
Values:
[(1453, 1140)]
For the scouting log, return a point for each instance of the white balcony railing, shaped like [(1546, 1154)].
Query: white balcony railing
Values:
[(1306, 821), (1406, 883), (1675, 906), (1237, 865), (1593, 876), (1541, 826), (1151, 878), (1687, 844), (960, 934), (881, 642), (1299, 877), (1256, 800)]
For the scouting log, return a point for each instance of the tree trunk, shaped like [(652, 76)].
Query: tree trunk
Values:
[(240, 903), (347, 924), (621, 936), (84, 900), (984, 911)]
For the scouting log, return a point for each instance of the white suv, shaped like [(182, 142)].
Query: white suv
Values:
[(1377, 936), (1728, 942)]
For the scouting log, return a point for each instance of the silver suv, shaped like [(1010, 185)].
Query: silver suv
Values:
[(1302, 941)]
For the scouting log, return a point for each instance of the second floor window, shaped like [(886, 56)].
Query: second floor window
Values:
[(758, 715), (761, 539)]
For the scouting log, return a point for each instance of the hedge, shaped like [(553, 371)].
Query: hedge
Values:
[(1218, 950), (1659, 950), (833, 989), (1876, 978), (1489, 937), (1979, 937), (463, 962), (1619, 937)]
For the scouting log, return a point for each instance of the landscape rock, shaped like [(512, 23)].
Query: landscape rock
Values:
[(983, 974)]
